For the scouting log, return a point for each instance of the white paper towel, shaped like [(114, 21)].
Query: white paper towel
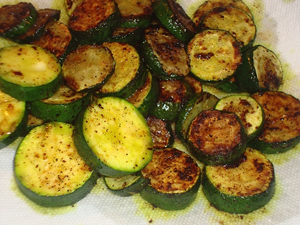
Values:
[(278, 24)]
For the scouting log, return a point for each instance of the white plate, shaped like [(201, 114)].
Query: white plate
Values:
[(278, 24)]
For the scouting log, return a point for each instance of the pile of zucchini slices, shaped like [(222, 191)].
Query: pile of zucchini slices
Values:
[(107, 95)]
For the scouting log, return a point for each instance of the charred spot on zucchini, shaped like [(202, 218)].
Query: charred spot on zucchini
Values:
[(93, 21), (161, 132), (113, 137), (13, 119), (29, 72), (242, 187), (174, 19), (282, 121), (247, 109), (216, 137), (17, 19), (88, 67), (164, 53), (174, 179), (48, 169), (260, 70), (214, 56)]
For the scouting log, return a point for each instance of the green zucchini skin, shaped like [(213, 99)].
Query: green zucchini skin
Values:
[(229, 86), (130, 36)]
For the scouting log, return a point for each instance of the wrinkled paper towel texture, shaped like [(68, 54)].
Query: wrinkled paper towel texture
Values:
[(278, 26)]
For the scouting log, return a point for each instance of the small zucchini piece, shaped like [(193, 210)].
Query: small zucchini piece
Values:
[(229, 86), (13, 119), (70, 5), (194, 106), (146, 96), (127, 185), (195, 84), (63, 106), (113, 137), (282, 122), (17, 19), (214, 56), (173, 17), (129, 74), (242, 187), (247, 109), (216, 137), (135, 13), (29, 73), (260, 70), (164, 53), (32, 122), (93, 21), (88, 67), (233, 20), (48, 169), (208, 5), (173, 94), (131, 36), (174, 179), (161, 132)]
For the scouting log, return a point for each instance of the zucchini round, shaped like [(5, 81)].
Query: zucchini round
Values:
[(242, 187), (113, 138), (48, 169)]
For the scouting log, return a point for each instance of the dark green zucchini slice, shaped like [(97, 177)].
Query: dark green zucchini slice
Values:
[(247, 109), (161, 132), (216, 137), (130, 36), (93, 21), (48, 169), (164, 54), (135, 13), (113, 138), (260, 70), (174, 179), (146, 96), (282, 122), (129, 74), (28, 72), (195, 105), (45, 16), (173, 94), (214, 56), (242, 187), (63, 106), (127, 185), (88, 67), (174, 19), (17, 19), (13, 119), (234, 20), (208, 5), (229, 86)]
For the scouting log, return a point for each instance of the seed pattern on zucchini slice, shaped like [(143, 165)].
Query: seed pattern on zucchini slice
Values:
[(48, 169), (241, 187)]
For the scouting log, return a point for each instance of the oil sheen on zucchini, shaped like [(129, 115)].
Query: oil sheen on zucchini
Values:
[(242, 187), (48, 169), (29, 72), (113, 137), (174, 179)]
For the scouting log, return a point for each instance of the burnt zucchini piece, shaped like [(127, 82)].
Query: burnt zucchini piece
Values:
[(260, 70), (161, 132), (204, 8), (242, 187), (173, 95), (281, 131), (216, 137), (174, 19), (88, 67), (164, 54), (135, 13), (233, 20), (36, 31), (93, 21), (174, 179), (17, 19)]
